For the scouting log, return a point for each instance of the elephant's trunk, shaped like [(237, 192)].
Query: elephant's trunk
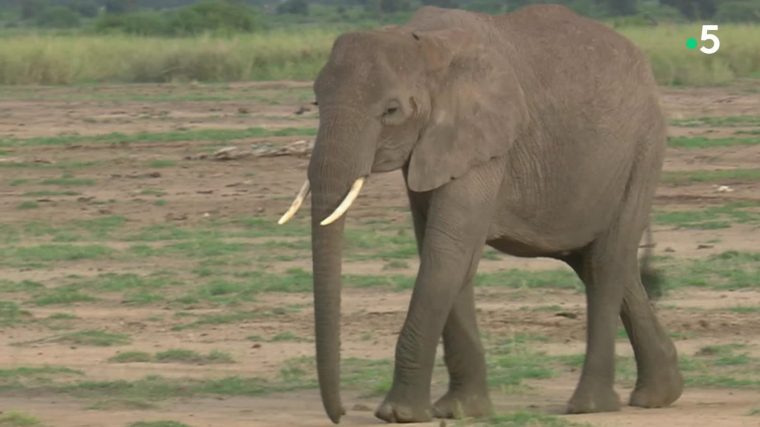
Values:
[(332, 171)]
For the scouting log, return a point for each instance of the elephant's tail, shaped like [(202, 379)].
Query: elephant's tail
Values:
[(651, 278)]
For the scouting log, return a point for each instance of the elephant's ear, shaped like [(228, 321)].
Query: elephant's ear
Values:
[(477, 107)]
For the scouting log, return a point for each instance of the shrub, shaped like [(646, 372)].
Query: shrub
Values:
[(294, 7), (58, 17), (738, 11), (140, 23), (217, 16)]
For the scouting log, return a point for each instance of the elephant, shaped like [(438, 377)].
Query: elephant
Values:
[(537, 132)]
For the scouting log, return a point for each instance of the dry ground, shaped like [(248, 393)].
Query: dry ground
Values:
[(142, 238)]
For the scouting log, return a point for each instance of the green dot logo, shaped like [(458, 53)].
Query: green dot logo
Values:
[(691, 43)]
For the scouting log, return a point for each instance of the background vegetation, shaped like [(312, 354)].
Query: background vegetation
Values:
[(89, 41)]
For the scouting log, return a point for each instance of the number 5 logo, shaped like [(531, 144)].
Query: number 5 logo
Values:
[(712, 37)]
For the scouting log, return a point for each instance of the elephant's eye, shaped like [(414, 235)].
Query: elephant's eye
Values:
[(391, 114)]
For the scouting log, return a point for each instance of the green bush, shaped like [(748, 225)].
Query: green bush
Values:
[(208, 16), (738, 11), (140, 23), (295, 7), (58, 17), (214, 16)]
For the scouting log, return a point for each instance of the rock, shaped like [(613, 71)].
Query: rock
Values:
[(704, 246), (724, 189), (302, 109), (228, 153), (301, 148), (567, 314)]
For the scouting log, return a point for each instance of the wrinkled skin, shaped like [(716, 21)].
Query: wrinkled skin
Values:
[(538, 133)]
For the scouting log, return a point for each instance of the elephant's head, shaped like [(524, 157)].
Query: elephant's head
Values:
[(429, 101)]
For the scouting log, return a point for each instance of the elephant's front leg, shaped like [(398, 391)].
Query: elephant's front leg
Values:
[(455, 233), (467, 395)]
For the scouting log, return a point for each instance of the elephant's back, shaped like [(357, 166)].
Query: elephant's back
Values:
[(560, 47)]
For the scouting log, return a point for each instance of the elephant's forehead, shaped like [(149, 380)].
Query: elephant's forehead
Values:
[(361, 82)]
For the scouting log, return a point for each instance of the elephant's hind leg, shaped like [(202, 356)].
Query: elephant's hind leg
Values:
[(463, 353), (602, 267), (659, 382)]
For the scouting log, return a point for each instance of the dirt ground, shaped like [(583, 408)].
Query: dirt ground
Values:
[(194, 191)]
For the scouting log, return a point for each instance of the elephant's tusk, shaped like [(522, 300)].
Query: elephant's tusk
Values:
[(346, 203), (302, 193)]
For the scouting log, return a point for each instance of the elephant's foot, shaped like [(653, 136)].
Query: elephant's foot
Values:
[(404, 411), (463, 404), (587, 399), (659, 388)]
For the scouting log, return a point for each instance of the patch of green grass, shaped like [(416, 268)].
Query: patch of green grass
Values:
[(131, 357), (22, 286), (726, 271), (717, 121), (154, 192), (90, 337), (27, 205), (526, 419), (49, 193), (127, 404), (19, 181), (286, 336), (101, 228), (395, 264), (216, 135), (68, 182), (161, 423), (142, 298), (388, 281), (161, 163), (18, 419), (753, 412), (698, 142), (63, 295), (62, 316), (190, 356), (711, 217), (524, 279), (11, 314), (724, 176), (160, 202), (119, 282), (54, 252), (511, 361), (745, 309), (721, 365), (36, 371), (220, 319)]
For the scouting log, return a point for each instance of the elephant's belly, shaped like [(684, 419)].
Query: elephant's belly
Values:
[(529, 250), (524, 240)]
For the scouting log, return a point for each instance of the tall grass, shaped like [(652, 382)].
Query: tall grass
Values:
[(674, 64), (299, 53), (56, 59)]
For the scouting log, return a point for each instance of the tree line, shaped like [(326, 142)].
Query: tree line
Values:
[(186, 17)]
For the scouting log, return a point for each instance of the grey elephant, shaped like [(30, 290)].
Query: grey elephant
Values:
[(538, 133)]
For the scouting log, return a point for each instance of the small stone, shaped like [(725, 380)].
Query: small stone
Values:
[(361, 407)]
